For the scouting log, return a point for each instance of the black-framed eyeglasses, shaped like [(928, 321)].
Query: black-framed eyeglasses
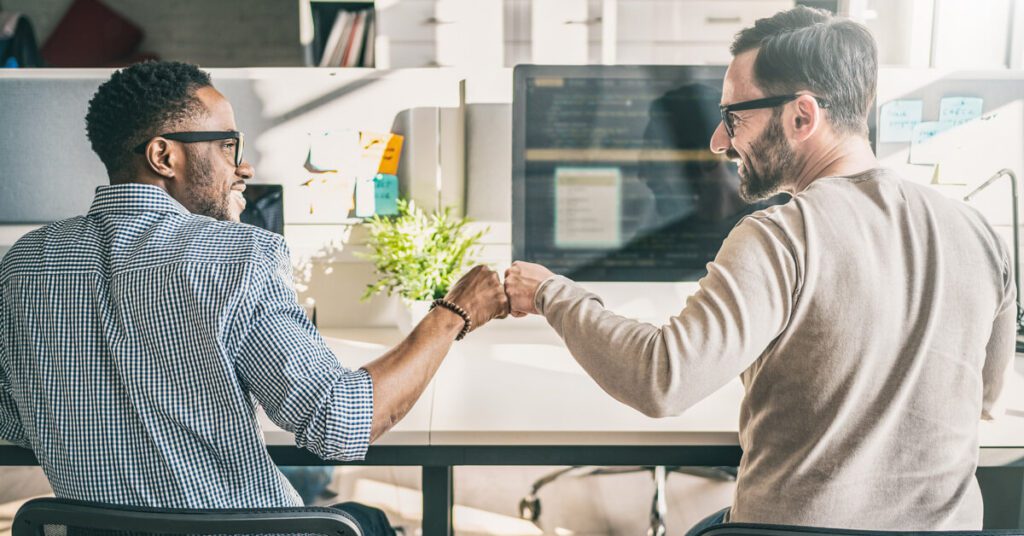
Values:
[(757, 104), (195, 137)]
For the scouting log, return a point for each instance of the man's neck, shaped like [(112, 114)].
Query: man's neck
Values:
[(848, 157), (151, 181)]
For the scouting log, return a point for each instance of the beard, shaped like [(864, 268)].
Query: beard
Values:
[(776, 161), (205, 194)]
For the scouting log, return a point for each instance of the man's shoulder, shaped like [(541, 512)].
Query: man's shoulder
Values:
[(201, 238), (205, 229), (133, 242), (780, 216), (27, 251)]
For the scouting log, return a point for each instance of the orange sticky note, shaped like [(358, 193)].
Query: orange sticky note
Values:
[(392, 153)]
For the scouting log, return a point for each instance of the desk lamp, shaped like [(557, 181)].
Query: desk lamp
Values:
[(1016, 243)]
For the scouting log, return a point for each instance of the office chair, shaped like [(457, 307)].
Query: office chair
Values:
[(758, 529), (63, 516), (529, 506)]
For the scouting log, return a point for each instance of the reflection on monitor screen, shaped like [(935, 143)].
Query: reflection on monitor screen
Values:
[(264, 207), (613, 178)]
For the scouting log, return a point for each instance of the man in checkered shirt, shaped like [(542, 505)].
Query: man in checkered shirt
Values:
[(137, 340)]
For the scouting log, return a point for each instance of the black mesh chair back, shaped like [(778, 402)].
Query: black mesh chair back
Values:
[(63, 517), (758, 529)]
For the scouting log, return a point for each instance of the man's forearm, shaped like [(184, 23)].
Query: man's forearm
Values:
[(401, 374)]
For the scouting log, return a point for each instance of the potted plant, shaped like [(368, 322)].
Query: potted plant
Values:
[(418, 257)]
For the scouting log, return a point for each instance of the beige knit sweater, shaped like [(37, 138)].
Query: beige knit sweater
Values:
[(870, 320)]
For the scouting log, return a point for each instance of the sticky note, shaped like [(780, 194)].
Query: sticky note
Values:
[(322, 156), (365, 198), (922, 152), (392, 152), (955, 111), (897, 120), (386, 194), (380, 152), (331, 150), (925, 131)]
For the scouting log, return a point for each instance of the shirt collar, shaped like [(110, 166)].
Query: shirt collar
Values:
[(134, 197)]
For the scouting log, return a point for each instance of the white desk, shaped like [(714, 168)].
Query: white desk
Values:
[(522, 387)]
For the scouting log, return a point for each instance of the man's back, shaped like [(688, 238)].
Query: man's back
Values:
[(864, 411), (135, 342), (870, 320)]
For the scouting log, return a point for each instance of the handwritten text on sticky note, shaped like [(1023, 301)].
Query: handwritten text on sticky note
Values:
[(898, 119), (954, 111)]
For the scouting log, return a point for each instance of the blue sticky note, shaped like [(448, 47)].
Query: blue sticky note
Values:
[(922, 152), (954, 111), (926, 130), (386, 194), (897, 120)]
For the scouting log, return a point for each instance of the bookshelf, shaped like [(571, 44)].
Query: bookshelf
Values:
[(345, 31)]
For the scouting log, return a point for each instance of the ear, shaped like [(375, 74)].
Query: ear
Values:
[(807, 118), (161, 158)]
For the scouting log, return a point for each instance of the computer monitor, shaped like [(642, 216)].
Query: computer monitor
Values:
[(264, 207), (612, 175)]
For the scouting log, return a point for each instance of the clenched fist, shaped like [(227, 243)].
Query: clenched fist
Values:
[(521, 283), (480, 293)]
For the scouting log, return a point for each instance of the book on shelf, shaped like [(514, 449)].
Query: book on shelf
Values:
[(370, 43), (350, 40), (355, 42), (332, 39)]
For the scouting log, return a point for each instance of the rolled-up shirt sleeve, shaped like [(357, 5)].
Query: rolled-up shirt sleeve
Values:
[(294, 375), (11, 428), (742, 304), (10, 422)]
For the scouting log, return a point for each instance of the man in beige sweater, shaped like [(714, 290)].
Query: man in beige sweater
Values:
[(869, 318)]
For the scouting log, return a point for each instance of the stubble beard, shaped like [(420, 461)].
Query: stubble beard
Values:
[(776, 161), (206, 198)]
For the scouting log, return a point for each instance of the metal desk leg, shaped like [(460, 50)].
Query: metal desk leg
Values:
[(659, 507), (438, 498)]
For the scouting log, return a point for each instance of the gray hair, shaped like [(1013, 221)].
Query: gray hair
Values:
[(809, 49)]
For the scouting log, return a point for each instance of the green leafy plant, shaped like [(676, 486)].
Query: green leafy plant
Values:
[(417, 256)]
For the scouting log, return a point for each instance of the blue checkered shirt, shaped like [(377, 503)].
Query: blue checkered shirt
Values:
[(135, 343)]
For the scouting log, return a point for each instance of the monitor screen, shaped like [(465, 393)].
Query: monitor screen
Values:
[(264, 207), (613, 178)]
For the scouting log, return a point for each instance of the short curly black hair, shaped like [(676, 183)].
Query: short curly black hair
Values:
[(139, 102)]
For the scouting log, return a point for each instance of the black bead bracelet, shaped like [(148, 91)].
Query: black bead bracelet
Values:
[(451, 306)]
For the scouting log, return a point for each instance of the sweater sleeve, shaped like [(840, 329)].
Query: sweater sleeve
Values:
[(741, 306), (999, 350)]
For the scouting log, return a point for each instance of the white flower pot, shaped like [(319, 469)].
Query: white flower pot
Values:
[(409, 315)]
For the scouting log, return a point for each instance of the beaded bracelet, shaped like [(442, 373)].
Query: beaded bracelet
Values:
[(451, 306)]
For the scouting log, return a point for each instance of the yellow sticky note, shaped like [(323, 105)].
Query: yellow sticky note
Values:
[(381, 152)]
